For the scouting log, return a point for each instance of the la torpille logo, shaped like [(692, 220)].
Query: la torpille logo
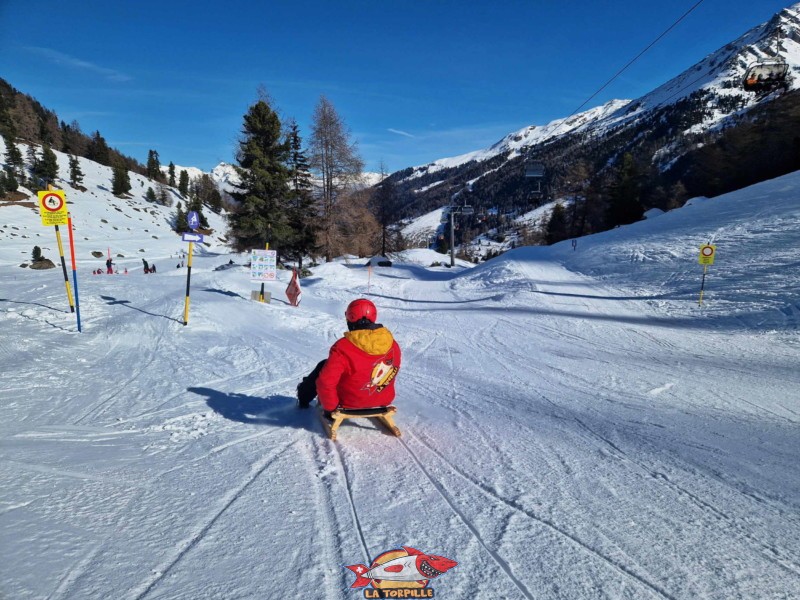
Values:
[(402, 573)]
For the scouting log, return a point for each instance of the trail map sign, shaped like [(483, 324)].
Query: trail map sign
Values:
[(263, 265), (53, 207)]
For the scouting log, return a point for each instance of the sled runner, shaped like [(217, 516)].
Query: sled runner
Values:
[(384, 414)]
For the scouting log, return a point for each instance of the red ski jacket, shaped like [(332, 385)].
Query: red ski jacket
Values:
[(360, 370)]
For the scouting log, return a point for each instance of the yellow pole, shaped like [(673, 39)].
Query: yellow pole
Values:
[(51, 188), (64, 265), (188, 279)]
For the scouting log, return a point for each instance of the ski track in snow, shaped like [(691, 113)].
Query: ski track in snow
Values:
[(162, 570), (574, 425)]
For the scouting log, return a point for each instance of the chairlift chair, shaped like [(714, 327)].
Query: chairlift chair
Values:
[(534, 169), (534, 172), (765, 75)]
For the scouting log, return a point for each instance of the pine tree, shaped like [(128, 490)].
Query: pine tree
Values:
[(36, 255), (45, 169), (120, 181), (171, 171), (183, 183), (181, 225), (163, 196), (302, 205), (150, 195), (624, 198), (75, 173), (261, 215), (33, 165), (153, 166), (98, 150), (557, 225), (15, 165)]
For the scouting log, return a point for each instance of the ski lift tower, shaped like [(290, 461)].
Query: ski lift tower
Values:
[(464, 209)]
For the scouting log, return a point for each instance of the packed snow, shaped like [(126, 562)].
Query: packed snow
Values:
[(575, 425)]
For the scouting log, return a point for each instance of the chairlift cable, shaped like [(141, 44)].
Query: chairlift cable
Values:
[(637, 57)]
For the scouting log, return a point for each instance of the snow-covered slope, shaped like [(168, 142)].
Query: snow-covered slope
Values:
[(574, 424), (130, 228), (529, 136)]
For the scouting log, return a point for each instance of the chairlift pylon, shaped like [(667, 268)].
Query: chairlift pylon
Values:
[(765, 75)]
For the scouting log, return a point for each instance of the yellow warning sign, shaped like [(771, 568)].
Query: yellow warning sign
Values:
[(707, 253), (53, 207)]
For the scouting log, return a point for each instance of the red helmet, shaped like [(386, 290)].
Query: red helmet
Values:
[(361, 309)]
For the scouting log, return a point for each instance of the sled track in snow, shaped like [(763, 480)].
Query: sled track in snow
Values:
[(353, 511), (161, 572), (101, 407), (769, 551), (617, 566), (504, 566)]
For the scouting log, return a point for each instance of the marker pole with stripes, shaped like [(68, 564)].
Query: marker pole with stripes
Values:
[(74, 270), (188, 280)]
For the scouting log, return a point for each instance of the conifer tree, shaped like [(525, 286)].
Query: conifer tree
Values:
[(171, 172), (33, 165), (45, 169), (75, 173), (183, 183), (181, 225), (302, 205), (153, 166), (15, 164), (120, 181), (98, 150), (163, 196), (557, 225), (150, 195), (261, 216), (624, 198)]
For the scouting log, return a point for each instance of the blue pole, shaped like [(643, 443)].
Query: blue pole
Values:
[(77, 304)]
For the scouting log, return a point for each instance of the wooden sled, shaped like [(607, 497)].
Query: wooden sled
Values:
[(384, 415)]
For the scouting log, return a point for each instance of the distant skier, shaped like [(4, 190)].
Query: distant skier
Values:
[(146, 266), (361, 367), (152, 268), (109, 267)]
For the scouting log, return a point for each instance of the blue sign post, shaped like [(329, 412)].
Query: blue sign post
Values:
[(193, 219)]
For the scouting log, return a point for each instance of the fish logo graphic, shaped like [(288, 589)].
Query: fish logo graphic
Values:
[(406, 568)]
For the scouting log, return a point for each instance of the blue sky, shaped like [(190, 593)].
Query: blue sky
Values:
[(414, 80)]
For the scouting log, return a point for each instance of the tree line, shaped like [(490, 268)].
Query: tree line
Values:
[(307, 201)]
